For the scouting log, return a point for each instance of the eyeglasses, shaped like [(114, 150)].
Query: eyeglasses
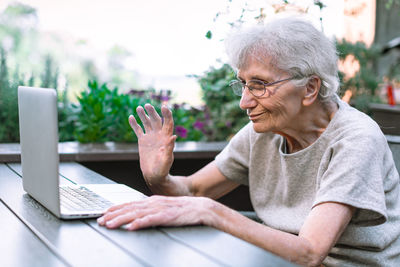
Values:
[(256, 87)]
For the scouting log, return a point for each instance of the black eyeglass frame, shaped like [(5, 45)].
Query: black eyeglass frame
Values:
[(244, 85)]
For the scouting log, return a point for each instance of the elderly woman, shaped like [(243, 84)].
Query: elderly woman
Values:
[(320, 173)]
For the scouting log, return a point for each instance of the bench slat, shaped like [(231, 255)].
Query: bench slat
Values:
[(19, 246)]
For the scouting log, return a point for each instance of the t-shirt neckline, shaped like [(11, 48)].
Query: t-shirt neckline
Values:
[(283, 143)]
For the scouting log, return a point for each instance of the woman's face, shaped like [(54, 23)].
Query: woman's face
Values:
[(276, 112)]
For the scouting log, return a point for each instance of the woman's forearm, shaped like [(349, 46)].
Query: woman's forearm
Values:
[(172, 186), (291, 247), (207, 182)]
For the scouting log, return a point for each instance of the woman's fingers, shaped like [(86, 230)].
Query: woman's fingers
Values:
[(146, 221), (120, 220), (155, 211), (123, 218), (120, 206), (168, 126), (137, 203), (129, 212), (135, 126), (155, 119), (144, 118), (152, 120), (120, 213)]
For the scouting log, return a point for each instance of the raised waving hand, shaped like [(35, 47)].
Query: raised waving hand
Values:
[(156, 142)]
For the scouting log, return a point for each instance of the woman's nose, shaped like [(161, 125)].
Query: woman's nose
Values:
[(247, 100)]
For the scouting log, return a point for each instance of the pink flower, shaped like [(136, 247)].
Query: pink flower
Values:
[(181, 131), (164, 98), (198, 125)]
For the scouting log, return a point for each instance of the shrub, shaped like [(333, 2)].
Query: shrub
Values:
[(189, 123), (222, 114), (92, 122), (9, 128), (364, 84), (102, 114)]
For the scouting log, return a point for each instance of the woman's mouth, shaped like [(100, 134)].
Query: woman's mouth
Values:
[(255, 116)]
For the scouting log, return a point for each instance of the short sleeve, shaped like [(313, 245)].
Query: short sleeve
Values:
[(233, 161), (355, 176)]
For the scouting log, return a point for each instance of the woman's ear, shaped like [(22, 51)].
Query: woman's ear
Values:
[(312, 89)]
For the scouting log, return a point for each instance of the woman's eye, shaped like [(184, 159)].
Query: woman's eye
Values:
[(256, 86)]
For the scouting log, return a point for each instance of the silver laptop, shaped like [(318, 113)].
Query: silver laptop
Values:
[(38, 126)]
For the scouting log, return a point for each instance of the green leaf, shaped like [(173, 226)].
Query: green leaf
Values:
[(209, 35)]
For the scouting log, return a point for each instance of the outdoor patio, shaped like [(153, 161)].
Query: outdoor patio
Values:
[(98, 84)]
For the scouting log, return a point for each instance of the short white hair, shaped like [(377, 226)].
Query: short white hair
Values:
[(294, 46)]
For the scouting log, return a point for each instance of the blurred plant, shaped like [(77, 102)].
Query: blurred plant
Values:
[(92, 121), (117, 73), (222, 116), (9, 128), (50, 76), (389, 3), (76, 61), (102, 114), (123, 105), (16, 22), (239, 11), (66, 117), (365, 81), (186, 118), (188, 123), (66, 112)]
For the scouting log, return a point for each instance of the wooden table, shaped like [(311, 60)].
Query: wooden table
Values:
[(31, 236)]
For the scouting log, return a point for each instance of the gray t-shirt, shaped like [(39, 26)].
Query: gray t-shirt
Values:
[(349, 163)]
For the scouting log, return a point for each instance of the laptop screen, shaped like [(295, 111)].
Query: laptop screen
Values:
[(38, 126)]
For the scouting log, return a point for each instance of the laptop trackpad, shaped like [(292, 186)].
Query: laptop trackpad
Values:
[(116, 193)]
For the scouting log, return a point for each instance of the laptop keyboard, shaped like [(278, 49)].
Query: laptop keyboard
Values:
[(82, 199)]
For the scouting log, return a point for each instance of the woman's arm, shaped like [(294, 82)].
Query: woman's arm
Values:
[(319, 233), (207, 182)]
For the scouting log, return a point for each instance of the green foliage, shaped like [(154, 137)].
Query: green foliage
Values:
[(14, 21), (123, 105), (364, 84), (223, 116), (91, 125), (389, 3), (66, 117), (236, 15), (189, 123), (18, 9), (50, 75), (102, 113), (9, 128)]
